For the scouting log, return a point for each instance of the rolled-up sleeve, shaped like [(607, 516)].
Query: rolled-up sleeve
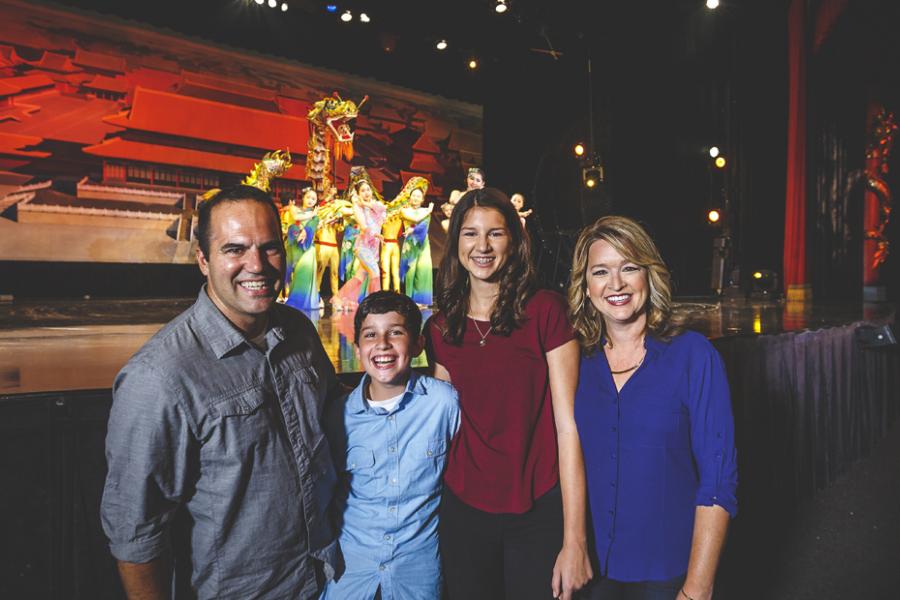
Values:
[(712, 431), (148, 447)]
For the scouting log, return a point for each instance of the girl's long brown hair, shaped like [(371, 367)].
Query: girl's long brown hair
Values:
[(516, 276)]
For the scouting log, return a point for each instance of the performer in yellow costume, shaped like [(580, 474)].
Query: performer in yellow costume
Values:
[(390, 251), (332, 213)]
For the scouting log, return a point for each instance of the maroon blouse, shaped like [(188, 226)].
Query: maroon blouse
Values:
[(505, 454)]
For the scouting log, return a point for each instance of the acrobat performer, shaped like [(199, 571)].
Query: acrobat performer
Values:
[(300, 252), (415, 258), (369, 212), (474, 181), (331, 216)]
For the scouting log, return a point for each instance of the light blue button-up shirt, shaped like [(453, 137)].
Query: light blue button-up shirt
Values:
[(390, 464)]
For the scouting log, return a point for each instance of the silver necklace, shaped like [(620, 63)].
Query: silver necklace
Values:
[(483, 335)]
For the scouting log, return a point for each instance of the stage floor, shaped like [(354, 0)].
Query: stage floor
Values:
[(61, 346)]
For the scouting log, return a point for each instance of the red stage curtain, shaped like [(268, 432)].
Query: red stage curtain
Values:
[(795, 201)]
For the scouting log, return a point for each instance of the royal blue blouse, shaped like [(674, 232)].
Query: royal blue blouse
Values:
[(653, 452)]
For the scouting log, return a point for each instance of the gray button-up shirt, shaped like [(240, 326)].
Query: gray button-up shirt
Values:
[(204, 420)]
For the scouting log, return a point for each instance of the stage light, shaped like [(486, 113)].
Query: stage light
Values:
[(332, 8), (473, 64), (592, 176), (284, 7), (501, 6), (441, 45), (714, 152), (764, 285), (260, 1), (712, 4), (720, 162), (364, 18), (713, 216), (579, 149), (273, 3), (347, 16)]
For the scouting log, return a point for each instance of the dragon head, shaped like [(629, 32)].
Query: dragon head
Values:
[(334, 114)]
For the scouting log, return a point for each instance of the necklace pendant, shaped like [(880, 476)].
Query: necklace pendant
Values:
[(482, 342)]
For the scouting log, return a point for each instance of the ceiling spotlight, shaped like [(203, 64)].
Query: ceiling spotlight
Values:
[(260, 1), (720, 162), (713, 216), (329, 7), (273, 3), (364, 17), (579, 149), (714, 152), (473, 64), (284, 7), (501, 6), (441, 45), (347, 16), (712, 4)]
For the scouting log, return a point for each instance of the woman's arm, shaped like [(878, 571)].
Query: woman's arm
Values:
[(710, 526), (573, 568), (440, 372)]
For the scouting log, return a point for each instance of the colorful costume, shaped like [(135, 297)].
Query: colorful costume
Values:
[(370, 216), (300, 274), (415, 259), (348, 264)]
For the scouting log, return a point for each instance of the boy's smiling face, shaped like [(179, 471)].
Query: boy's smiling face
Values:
[(385, 347)]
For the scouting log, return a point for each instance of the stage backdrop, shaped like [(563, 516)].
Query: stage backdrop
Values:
[(109, 131)]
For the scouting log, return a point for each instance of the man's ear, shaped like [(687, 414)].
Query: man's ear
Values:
[(202, 263)]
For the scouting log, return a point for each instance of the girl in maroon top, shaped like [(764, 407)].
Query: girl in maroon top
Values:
[(512, 521)]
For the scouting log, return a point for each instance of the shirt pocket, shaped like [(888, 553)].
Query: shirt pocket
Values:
[(366, 480), (425, 461), (241, 426)]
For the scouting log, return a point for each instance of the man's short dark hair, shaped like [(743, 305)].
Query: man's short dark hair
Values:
[(385, 301), (236, 193)]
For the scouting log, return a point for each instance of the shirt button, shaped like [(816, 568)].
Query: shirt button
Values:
[(381, 567), (390, 417), (392, 508), (387, 538), (393, 480), (392, 449), (429, 453)]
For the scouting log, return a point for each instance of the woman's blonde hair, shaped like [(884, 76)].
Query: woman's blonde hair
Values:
[(630, 240)]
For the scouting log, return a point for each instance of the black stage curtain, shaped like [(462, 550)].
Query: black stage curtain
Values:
[(806, 406)]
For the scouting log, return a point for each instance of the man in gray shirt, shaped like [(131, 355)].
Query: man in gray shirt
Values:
[(215, 447)]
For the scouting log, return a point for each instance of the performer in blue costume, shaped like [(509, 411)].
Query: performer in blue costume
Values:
[(415, 256), (301, 255)]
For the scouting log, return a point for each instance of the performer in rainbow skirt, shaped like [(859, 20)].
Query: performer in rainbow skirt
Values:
[(415, 257)]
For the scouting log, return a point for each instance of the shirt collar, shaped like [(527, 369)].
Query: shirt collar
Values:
[(220, 334), (357, 404)]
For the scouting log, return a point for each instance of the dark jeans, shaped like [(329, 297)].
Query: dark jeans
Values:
[(607, 589), (495, 556)]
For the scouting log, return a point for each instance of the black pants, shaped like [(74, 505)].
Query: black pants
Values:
[(496, 556), (607, 589)]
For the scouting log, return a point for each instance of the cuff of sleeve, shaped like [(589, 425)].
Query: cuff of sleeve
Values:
[(718, 498), (140, 551)]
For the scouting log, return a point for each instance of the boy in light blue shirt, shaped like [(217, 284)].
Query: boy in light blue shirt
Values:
[(390, 438)]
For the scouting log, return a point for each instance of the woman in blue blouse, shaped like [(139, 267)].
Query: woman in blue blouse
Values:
[(654, 417)]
